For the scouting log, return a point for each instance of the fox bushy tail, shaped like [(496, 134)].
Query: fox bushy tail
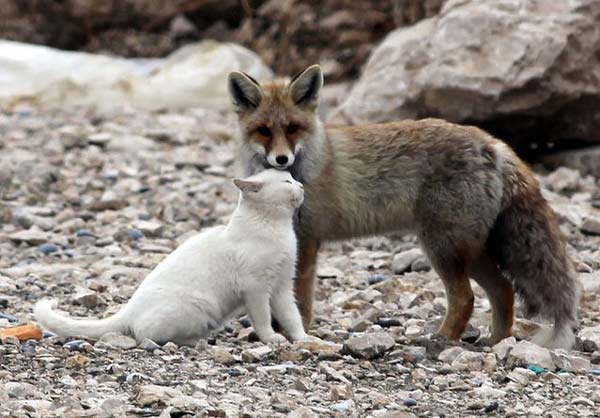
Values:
[(69, 327), (531, 249)]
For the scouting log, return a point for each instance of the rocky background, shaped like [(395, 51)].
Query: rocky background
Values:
[(89, 204)]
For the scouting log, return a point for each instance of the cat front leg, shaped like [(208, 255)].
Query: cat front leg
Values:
[(286, 311), (259, 310)]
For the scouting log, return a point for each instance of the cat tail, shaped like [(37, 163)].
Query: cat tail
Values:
[(71, 327)]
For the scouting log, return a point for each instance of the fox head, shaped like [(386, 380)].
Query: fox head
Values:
[(277, 118)]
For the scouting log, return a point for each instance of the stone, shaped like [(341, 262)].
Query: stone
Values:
[(420, 264), (566, 361), (525, 353), (119, 340), (29, 236), (450, 354), (502, 348), (590, 282), (591, 337), (388, 322), (563, 179), (409, 402), (369, 346), (222, 355), (469, 361), (277, 368), (48, 248), (591, 225), (343, 406), (135, 234), (490, 363), (149, 345), (376, 278), (400, 414), (586, 161), (329, 273), (413, 331), (513, 77), (109, 201), (521, 376), (149, 228), (302, 412), (254, 355), (79, 346), (88, 299), (320, 347), (402, 261), (148, 395), (410, 354), (487, 393)]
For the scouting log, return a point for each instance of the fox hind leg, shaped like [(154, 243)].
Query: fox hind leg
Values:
[(460, 305), (447, 261), (500, 293)]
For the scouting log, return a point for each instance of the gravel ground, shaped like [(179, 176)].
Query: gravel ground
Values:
[(88, 206)]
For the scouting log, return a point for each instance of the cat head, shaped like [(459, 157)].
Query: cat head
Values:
[(273, 188)]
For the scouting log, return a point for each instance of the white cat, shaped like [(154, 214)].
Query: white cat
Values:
[(247, 266)]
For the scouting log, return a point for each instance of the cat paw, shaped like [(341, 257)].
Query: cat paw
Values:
[(274, 339), (306, 337)]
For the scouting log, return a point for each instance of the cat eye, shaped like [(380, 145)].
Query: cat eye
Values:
[(264, 131), (287, 181), (292, 128)]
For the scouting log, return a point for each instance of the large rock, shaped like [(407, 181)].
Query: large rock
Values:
[(369, 346), (155, 394), (525, 353), (524, 69), (590, 336), (194, 75), (584, 160)]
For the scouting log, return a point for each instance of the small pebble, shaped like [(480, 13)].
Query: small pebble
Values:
[(78, 345), (48, 334), (409, 402), (388, 322), (233, 372), (9, 317), (135, 234), (491, 407), (377, 278), (48, 248), (85, 233)]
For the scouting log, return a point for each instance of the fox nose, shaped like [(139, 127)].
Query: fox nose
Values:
[(281, 159)]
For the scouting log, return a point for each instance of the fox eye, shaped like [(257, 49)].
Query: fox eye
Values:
[(292, 128), (264, 131), (287, 181)]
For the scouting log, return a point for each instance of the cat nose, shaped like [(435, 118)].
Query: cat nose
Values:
[(281, 159)]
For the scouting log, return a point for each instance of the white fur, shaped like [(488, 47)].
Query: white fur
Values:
[(246, 266)]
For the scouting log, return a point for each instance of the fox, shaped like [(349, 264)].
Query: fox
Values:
[(476, 208)]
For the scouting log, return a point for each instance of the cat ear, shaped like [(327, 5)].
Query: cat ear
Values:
[(245, 91), (305, 86), (248, 186)]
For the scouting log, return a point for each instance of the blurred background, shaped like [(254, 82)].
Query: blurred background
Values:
[(528, 71)]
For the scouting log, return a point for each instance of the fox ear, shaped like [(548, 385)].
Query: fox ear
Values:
[(247, 186), (305, 86), (244, 91)]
